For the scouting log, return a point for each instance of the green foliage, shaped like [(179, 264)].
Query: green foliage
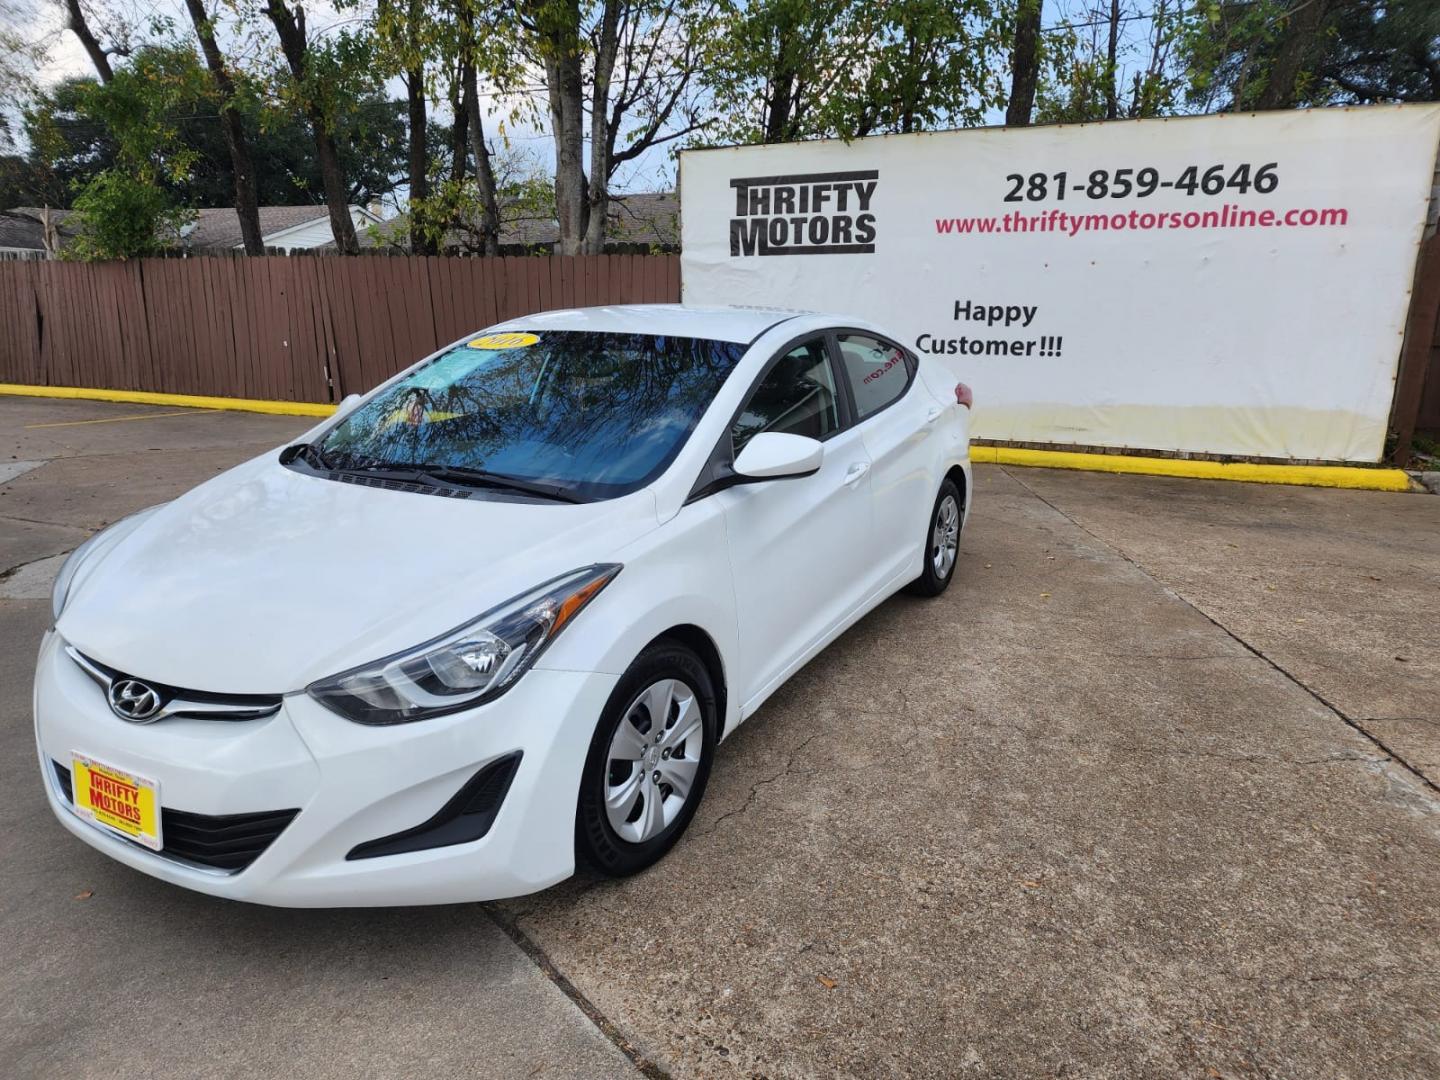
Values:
[(71, 140), (451, 217), (1080, 78), (122, 217), (123, 211), (1364, 51), (794, 69)]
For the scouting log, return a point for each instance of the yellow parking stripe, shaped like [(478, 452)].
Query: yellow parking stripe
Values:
[(190, 401), (1337, 476), (113, 419)]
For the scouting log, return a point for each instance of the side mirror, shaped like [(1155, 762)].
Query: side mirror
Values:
[(347, 405), (773, 456)]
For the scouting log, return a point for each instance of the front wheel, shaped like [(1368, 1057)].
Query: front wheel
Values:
[(942, 544), (648, 763)]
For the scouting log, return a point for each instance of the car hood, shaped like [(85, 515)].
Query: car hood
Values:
[(264, 579)]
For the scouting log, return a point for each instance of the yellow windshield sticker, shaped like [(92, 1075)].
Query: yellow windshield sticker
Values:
[(504, 341), (415, 414)]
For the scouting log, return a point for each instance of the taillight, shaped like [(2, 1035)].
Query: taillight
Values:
[(963, 396)]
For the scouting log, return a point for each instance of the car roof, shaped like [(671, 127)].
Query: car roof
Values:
[(737, 324)]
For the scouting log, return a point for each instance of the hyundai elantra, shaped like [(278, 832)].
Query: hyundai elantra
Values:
[(494, 618)]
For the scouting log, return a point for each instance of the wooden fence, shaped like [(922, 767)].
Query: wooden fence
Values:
[(283, 328)]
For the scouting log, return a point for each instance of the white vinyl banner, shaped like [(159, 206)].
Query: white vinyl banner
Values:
[(1219, 284)]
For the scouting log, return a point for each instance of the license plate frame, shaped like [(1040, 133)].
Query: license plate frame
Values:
[(116, 801)]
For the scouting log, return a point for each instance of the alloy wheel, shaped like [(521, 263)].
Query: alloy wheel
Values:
[(945, 537)]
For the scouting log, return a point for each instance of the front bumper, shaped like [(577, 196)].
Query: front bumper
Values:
[(351, 784)]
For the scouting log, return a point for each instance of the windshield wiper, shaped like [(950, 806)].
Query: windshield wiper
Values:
[(459, 474), (462, 476), (312, 454)]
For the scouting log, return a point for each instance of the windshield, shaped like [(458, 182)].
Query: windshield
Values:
[(597, 415)]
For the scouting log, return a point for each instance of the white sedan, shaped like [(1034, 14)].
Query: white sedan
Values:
[(495, 617)]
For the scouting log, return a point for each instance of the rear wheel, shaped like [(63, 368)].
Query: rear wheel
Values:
[(648, 763), (942, 543)]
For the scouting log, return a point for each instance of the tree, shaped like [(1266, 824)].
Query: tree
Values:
[(247, 200), (631, 67), (405, 34), (124, 211), (783, 70), (68, 146), (1094, 73), (1284, 53), (470, 58), (121, 216), (78, 25), (456, 216), (21, 54), (1024, 63), (308, 87)]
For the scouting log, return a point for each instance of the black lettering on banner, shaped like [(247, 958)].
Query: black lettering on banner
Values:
[(999, 317), (804, 214)]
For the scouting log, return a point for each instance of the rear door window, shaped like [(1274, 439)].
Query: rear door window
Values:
[(876, 371)]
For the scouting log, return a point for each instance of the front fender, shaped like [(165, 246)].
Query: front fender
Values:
[(676, 575)]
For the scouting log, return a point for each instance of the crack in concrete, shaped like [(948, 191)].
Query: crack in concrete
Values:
[(1294, 680), (7, 574), (52, 524), (1398, 720), (755, 787)]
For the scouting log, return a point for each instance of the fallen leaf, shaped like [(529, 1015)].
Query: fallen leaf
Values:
[(828, 984), (1031, 884), (84, 894)]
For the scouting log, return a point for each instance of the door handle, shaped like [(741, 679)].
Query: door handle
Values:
[(855, 472), (934, 414)]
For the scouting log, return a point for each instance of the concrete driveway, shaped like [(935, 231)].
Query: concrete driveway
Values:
[(1149, 792)]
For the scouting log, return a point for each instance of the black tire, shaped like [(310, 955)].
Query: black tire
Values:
[(597, 843), (934, 580)]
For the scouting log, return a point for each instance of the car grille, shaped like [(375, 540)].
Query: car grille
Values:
[(196, 704), (229, 842)]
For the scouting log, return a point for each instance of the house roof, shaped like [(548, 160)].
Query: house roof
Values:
[(21, 231), (645, 218), (648, 218), (219, 228), (216, 229), (23, 226)]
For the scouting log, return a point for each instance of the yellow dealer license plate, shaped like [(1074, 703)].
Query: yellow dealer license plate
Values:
[(117, 800)]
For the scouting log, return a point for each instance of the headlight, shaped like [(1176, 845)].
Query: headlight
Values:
[(60, 592), (471, 664)]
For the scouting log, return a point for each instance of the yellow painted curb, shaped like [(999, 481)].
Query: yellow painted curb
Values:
[(1337, 476), (190, 401)]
